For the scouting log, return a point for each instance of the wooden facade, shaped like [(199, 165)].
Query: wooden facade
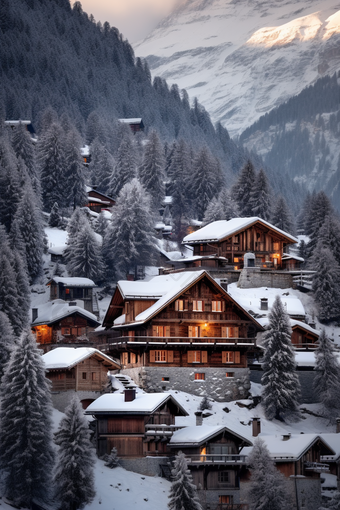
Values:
[(73, 289), (98, 201), (252, 235), (136, 431), (136, 124), (201, 325), (304, 337)]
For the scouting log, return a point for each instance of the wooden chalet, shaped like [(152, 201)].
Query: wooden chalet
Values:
[(73, 289), (303, 335), (78, 369), (231, 240), (97, 201), (59, 322), (136, 124), (214, 456), (137, 424), (15, 123), (178, 320)]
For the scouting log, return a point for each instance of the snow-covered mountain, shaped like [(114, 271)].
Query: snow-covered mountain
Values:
[(241, 58)]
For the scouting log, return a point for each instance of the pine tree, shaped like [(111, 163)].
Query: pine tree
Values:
[(260, 197), (268, 489), (126, 166), (205, 403), (151, 173), (327, 377), (23, 146), (76, 190), (281, 386), (101, 167), (282, 217), (183, 493), (55, 219), (222, 207), (320, 208), (329, 236), (129, 239), (84, 255), (112, 460), (10, 185), (26, 448), (74, 477), (326, 283), (334, 502), (243, 188), (7, 341), (9, 299), (204, 181)]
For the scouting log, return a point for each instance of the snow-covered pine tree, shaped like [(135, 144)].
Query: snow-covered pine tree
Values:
[(10, 189), (282, 217), (151, 173), (320, 208), (84, 255), (74, 226), (126, 165), (222, 207), (23, 289), (101, 167), (112, 460), (23, 146), (74, 476), (327, 377), (77, 196), (9, 299), (204, 181), (27, 233), (268, 487), (26, 447), (261, 197), (183, 493), (326, 283), (243, 188), (280, 382), (52, 163), (329, 235), (205, 403), (129, 240), (7, 341), (55, 219)]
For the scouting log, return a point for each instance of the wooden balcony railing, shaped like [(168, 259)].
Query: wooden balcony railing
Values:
[(217, 458), (317, 467), (171, 341)]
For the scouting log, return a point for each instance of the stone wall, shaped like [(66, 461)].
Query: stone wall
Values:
[(148, 466), (216, 385), (253, 277), (62, 399)]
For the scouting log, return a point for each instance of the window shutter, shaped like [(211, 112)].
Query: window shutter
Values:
[(186, 304), (190, 331), (224, 357), (190, 357), (170, 356), (204, 356), (236, 329), (154, 331), (223, 305), (237, 357), (152, 356), (167, 330), (224, 331)]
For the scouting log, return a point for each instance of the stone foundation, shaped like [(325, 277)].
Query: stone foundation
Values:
[(253, 277), (216, 385), (62, 399), (148, 466)]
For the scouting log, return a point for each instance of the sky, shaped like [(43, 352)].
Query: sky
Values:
[(133, 18)]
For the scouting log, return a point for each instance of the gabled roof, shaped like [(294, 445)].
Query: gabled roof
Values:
[(68, 357), (222, 229), (166, 289), (144, 403), (72, 281), (196, 435), (292, 449), (54, 311)]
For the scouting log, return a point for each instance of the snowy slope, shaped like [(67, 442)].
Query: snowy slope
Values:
[(242, 58)]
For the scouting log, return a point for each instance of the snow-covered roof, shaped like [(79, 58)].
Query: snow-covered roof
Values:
[(17, 122), (57, 250), (73, 281), (68, 357), (291, 449), (196, 435), (290, 256), (136, 120), (294, 323), (333, 441), (53, 311), (144, 403), (218, 230), (250, 299)]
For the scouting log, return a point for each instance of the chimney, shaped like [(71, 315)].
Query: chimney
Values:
[(264, 303), (338, 425), (34, 314), (256, 422), (199, 418), (129, 395), (285, 437)]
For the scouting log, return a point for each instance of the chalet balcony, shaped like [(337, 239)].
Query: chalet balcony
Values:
[(217, 459), (316, 467), (160, 431)]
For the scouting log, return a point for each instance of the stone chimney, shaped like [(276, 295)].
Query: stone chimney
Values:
[(338, 425), (256, 424), (34, 314), (264, 303), (199, 418), (129, 395)]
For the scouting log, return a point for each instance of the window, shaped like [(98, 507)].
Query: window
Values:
[(84, 375), (161, 331), (200, 377), (231, 357), (216, 306), (94, 376), (194, 331), (225, 500), (230, 332), (197, 305), (165, 379), (179, 305), (65, 331), (160, 356), (197, 356), (229, 374), (223, 476)]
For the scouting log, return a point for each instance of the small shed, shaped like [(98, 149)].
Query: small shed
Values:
[(136, 124)]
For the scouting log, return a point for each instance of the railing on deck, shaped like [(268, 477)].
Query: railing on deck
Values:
[(217, 458)]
